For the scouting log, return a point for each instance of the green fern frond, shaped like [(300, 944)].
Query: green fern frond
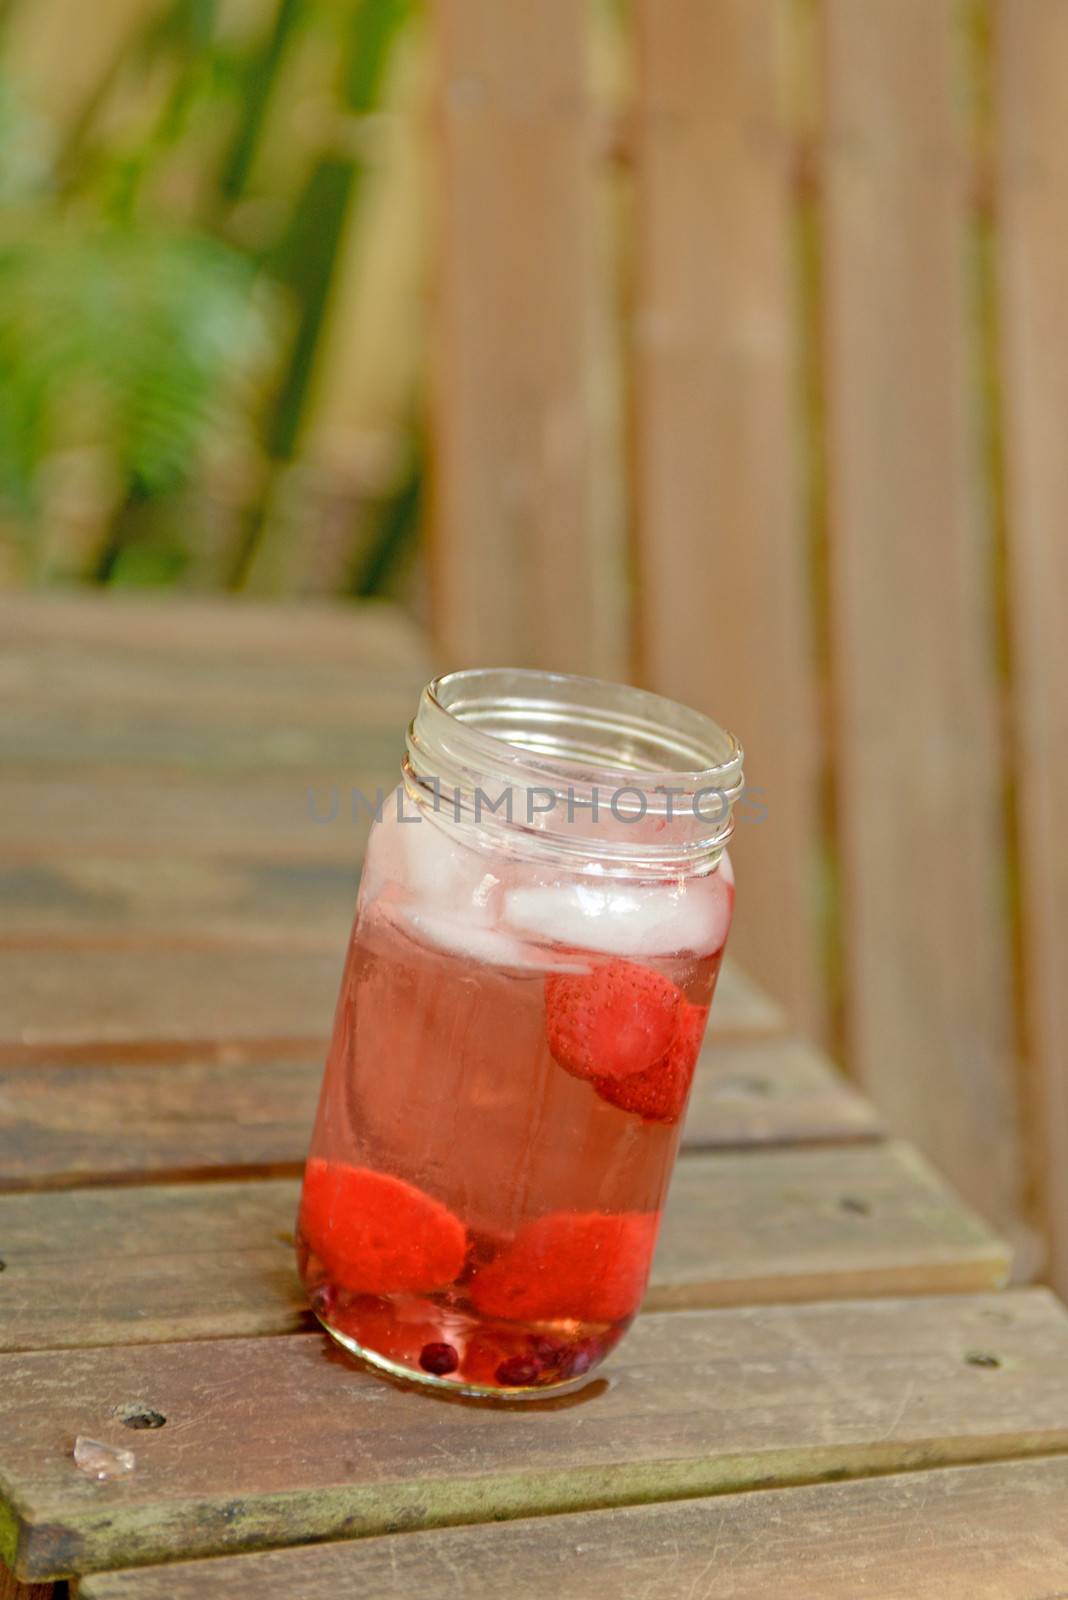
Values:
[(152, 330)]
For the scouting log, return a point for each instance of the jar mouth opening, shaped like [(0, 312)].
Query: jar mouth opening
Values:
[(586, 729), (617, 776)]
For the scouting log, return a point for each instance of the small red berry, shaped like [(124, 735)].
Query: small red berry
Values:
[(583, 1359), (549, 1352), (440, 1359), (518, 1372)]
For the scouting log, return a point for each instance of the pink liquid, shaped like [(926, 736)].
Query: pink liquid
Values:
[(441, 1075)]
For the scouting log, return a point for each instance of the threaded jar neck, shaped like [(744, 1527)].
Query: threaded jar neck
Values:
[(611, 778)]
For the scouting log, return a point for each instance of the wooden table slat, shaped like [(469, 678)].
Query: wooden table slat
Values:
[(231, 1109), (278, 1441), (344, 636), (215, 1260), (85, 1000), (105, 820), (993, 1532), (174, 922)]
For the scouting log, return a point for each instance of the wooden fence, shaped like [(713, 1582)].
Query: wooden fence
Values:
[(838, 240)]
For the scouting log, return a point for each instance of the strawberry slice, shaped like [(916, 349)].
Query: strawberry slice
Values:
[(612, 1022), (375, 1234), (659, 1093), (586, 1266)]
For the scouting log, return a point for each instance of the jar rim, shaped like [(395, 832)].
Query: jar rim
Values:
[(579, 738), (696, 734)]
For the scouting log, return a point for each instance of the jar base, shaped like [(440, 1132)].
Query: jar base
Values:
[(451, 1386)]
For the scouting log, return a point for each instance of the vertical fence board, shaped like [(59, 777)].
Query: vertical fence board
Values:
[(1032, 121), (929, 1021), (723, 586), (523, 570)]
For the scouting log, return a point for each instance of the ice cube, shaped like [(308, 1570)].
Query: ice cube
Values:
[(726, 869), (102, 1461), (474, 936), (439, 868), (624, 919), (714, 896), (469, 935), (418, 855)]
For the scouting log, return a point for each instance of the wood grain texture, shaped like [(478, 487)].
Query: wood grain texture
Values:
[(114, 900), (244, 1109), (55, 997), (289, 816), (215, 1260), (525, 571), (771, 1090), (724, 592), (371, 635), (186, 734), (107, 739), (784, 1225), (12, 1589), (277, 1441), (201, 1117), (1032, 122), (81, 999), (962, 1533), (925, 938), (183, 685)]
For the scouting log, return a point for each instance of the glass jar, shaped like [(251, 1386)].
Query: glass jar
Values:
[(541, 920)]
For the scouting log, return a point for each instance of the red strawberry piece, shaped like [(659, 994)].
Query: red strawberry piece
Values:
[(375, 1234), (586, 1266), (659, 1093), (609, 1023)]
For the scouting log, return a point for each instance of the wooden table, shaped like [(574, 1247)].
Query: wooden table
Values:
[(825, 1325)]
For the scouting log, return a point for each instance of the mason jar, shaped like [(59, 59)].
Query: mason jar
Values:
[(541, 919)]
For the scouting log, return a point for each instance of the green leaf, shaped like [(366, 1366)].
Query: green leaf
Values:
[(145, 331)]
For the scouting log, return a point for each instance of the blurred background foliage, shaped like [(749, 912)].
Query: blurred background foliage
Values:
[(212, 293)]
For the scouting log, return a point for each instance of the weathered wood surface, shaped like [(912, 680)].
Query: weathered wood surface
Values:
[(158, 897), (993, 1532), (200, 1117), (173, 929), (281, 1441), (1031, 117), (236, 1109), (816, 1225), (270, 636), (202, 688), (124, 683), (72, 738), (716, 491), (12, 1589), (770, 1090), (80, 999), (251, 821), (926, 949), (60, 998), (215, 1260), (524, 567)]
